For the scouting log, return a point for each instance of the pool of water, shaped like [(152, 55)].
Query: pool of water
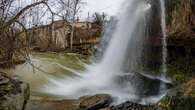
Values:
[(46, 65)]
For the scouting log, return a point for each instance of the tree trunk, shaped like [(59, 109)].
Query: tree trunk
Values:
[(72, 37)]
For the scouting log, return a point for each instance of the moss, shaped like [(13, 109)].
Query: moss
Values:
[(179, 77), (164, 104), (193, 93), (177, 103), (176, 74)]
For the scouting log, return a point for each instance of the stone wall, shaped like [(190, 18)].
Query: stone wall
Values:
[(181, 34)]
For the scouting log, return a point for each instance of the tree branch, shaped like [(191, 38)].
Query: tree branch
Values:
[(13, 19)]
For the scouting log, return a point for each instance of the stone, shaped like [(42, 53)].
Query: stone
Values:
[(14, 94), (5, 81), (95, 102), (133, 106), (105, 109)]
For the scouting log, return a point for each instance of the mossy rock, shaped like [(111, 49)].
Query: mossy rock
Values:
[(177, 75), (177, 103)]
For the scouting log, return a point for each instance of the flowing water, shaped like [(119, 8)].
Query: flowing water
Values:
[(107, 76), (164, 40), (53, 65)]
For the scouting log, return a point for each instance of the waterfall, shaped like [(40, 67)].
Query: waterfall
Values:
[(164, 39), (126, 29), (108, 76)]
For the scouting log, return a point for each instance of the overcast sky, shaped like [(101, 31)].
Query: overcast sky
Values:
[(110, 7)]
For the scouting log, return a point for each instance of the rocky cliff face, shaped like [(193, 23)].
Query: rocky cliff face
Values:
[(56, 36), (181, 16), (181, 34), (14, 94)]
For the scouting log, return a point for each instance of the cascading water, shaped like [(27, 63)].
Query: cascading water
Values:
[(164, 40), (108, 76), (115, 54)]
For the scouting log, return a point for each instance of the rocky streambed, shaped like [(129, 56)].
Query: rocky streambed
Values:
[(104, 102), (14, 95)]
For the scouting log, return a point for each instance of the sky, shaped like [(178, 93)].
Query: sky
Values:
[(110, 7)]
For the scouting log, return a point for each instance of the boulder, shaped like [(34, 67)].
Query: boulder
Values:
[(133, 106), (105, 109), (14, 94), (95, 102)]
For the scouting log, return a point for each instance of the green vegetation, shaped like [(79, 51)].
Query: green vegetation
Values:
[(164, 104), (177, 75)]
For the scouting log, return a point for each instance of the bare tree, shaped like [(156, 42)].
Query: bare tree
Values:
[(99, 19), (11, 29)]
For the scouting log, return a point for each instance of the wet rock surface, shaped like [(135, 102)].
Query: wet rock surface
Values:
[(171, 103), (14, 94), (95, 102), (132, 106), (145, 86), (103, 102)]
